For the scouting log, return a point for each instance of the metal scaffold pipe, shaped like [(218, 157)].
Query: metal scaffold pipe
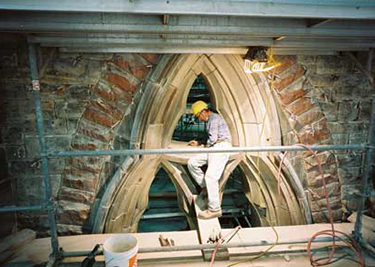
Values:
[(202, 150), (203, 246)]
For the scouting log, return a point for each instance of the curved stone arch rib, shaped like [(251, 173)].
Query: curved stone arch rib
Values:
[(155, 120)]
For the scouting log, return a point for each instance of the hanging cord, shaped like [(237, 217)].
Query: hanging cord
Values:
[(221, 241), (332, 232)]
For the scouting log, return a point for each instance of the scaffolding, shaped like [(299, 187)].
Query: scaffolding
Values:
[(49, 205)]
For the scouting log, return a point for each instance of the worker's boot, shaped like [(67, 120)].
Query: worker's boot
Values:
[(208, 214)]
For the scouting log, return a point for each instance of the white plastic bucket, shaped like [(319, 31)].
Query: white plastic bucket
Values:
[(120, 250)]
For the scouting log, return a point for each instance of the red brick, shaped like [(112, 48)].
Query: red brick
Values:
[(289, 97), (95, 132), (108, 109), (314, 137), (123, 95), (284, 82), (152, 58), (121, 82), (300, 106), (313, 115), (104, 93), (81, 173), (90, 164), (99, 118), (132, 67), (286, 63)]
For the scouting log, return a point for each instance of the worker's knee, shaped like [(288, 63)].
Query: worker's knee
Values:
[(191, 164)]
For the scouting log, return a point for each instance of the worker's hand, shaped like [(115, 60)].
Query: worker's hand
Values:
[(193, 143)]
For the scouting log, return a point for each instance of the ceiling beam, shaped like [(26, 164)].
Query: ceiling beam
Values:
[(189, 49), (323, 9), (219, 30), (332, 44)]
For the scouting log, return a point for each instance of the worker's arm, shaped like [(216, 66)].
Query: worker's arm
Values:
[(194, 143)]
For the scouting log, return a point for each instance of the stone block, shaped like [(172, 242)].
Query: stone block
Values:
[(103, 90), (329, 110), (349, 175), (121, 82), (311, 116), (81, 142), (300, 106), (317, 181), (100, 118), (322, 80), (80, 183), (351, 159), (53, 143), (14, 152), (282, 83), (313, 137), (358, 138), (287, 97), (348, 111), (75, 195), (95, 131), (107, 108), (15, 90), (30, 188), (351, 192), (90, 164), (333, 190), (133, 63), (152, 58), (67, 229), (320, 205), (325, 158), (333, 65), (13, 135), (365, 112), (286, 63), (353, 126), (73, 213), (323, 217), (340, 139)]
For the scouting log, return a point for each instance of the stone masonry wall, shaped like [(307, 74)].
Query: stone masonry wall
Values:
[(84, 98), (324, 100)]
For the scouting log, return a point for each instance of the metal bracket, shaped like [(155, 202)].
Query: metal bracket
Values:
[(35, 85)]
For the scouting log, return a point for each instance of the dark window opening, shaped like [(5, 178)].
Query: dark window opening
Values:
[(188, 127), (163, 212), (237, 210)]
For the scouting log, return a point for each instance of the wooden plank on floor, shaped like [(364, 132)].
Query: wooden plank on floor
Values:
[(39, 249)]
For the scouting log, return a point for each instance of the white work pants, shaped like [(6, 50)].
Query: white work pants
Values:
[(215, 166)]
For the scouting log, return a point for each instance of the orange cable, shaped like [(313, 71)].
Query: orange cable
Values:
[(332, 232)]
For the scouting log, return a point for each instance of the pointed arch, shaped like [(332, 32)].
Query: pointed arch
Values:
[(245, 102)]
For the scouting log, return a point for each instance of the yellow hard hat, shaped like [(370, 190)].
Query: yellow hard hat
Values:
[(198, 106)]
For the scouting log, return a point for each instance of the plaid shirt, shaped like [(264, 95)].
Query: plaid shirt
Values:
[(217, 129)]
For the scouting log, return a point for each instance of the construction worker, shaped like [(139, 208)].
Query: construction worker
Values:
[(218, 137)]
